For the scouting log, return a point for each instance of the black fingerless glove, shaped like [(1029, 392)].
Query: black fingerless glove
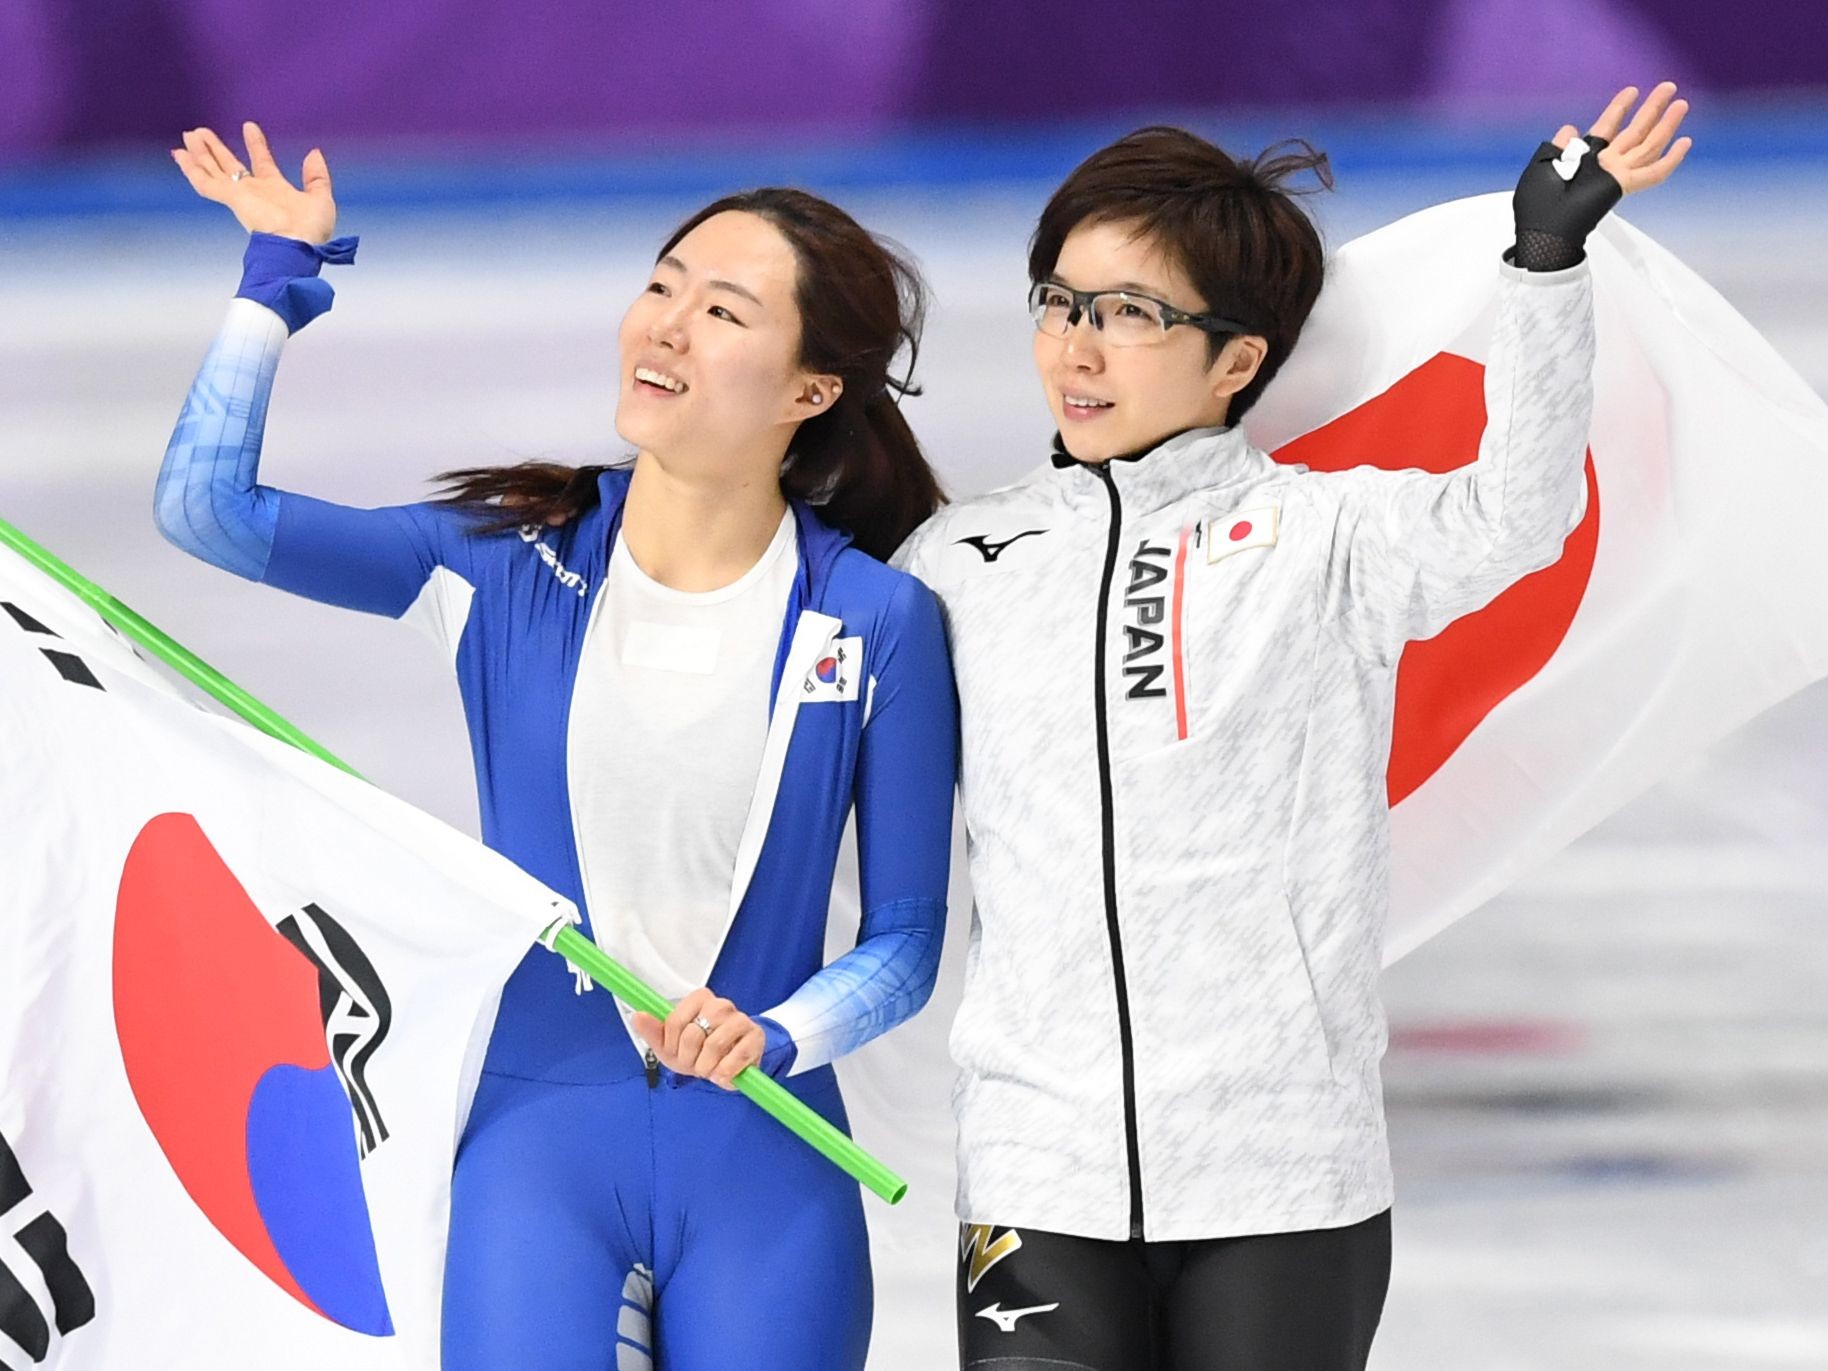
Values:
[(1554, 216)]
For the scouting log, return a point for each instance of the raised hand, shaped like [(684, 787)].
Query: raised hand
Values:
[(258, 192), (1639, 155)]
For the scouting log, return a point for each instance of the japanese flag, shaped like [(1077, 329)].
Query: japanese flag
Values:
[(1688, 599), (1240, 531)]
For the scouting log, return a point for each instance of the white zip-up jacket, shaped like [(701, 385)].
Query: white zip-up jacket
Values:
[(1176, 676)]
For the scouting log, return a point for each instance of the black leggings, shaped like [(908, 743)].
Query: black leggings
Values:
[(1034, 1301)]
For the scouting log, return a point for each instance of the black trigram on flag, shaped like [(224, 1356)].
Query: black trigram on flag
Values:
[(69, 666), (40, 1238), (356, 1010)]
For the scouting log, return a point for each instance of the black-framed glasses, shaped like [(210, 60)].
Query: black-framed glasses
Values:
[(1124, 318)]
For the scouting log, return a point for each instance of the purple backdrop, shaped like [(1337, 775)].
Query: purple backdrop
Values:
[(77, 73)]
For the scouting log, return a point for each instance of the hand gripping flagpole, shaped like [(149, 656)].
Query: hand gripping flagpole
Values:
[(561, 937), (769, 1093)]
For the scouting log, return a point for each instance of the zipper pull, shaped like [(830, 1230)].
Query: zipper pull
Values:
[(653, 1070)]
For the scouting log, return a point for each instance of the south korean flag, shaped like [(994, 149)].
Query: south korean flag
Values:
[(836, 673)]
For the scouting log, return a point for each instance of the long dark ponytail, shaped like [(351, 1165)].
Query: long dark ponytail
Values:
[(861, 301)]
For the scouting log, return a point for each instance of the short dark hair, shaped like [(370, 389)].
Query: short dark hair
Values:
[(1232, 226)]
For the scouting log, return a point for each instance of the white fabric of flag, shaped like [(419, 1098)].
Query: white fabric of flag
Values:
[(1690, 600), (243, 1002)]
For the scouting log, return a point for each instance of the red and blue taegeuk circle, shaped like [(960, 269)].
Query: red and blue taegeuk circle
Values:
[(223, 1040)]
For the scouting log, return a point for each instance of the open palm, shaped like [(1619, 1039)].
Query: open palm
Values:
[(258, 193), (1639, 155)]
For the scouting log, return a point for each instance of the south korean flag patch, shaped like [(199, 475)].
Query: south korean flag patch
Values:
[(1240, 531), (836, 674)]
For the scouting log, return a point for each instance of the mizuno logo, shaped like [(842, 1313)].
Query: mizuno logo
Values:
[(980, 1252), (1005, 1319), (991, 551)]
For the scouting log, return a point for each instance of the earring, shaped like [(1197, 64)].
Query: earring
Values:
[(818, 399)]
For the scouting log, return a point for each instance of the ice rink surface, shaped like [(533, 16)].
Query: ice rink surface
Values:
[(1608, 1089)]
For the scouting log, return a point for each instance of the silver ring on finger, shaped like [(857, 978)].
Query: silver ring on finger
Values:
[(238, 173), (703, 1025)]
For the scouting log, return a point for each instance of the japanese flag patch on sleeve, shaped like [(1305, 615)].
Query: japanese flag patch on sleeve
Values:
[(1240, 531), (834, 676)]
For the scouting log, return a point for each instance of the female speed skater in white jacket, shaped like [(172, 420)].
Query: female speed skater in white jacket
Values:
[(1176, 663)]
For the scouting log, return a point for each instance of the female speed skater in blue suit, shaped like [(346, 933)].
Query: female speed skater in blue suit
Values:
[(680, 677)]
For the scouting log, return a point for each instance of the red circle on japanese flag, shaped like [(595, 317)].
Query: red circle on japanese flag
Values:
[(1447, 684), (1240, 531)]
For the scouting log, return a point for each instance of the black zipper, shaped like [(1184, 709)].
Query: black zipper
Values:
[(1132, 1151), (652, 1064)]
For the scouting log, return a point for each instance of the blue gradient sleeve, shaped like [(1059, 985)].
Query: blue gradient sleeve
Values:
[(906, 770), (207, 500)]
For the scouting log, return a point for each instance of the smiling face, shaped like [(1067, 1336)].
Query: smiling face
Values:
[(1109, 401), (710, 349)]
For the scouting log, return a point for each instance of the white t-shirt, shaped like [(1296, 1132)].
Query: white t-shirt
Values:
[(668, 719)]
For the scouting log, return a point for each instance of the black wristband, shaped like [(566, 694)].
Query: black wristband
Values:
[(1554, 213)]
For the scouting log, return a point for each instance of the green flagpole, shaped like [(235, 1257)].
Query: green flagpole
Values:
[(565, 940), (769, 1093), (179, 658)]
